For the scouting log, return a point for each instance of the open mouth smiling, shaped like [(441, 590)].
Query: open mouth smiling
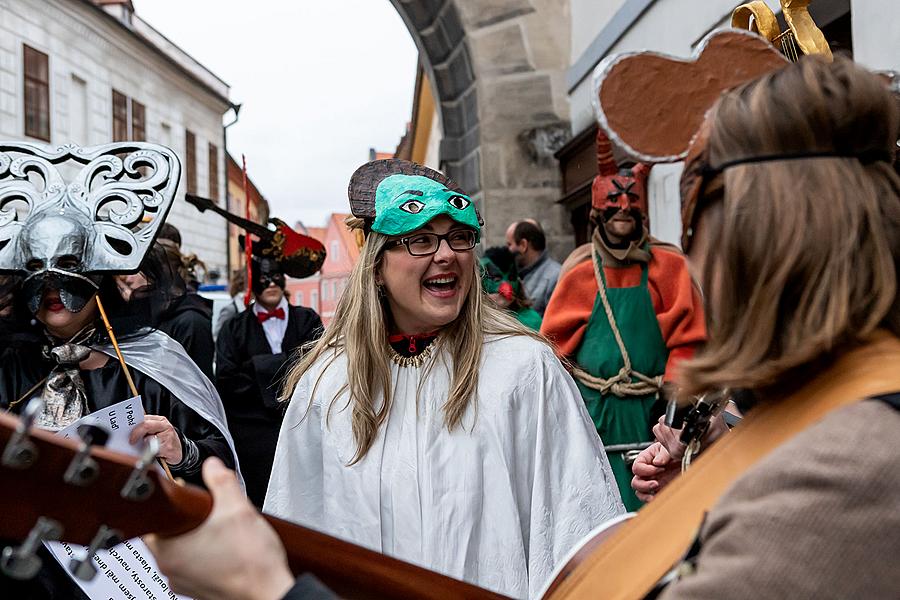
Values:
[(442, 284)]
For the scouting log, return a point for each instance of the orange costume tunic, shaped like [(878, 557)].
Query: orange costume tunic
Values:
[(675, 298)]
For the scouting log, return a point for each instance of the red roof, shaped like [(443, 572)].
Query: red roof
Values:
[(316, 232)]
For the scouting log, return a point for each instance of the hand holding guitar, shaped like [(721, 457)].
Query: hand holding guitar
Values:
[(235, 554)]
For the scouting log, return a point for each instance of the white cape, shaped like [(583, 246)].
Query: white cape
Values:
[(498, 502)]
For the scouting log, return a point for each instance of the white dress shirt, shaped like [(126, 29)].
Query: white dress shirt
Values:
[(274, 328)]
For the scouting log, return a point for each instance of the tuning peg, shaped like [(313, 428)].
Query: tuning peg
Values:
[(20, 452), (139, 486), (83, 469), (22, 562), (83, 568)]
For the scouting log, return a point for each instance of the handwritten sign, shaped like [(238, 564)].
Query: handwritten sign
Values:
[(126, 571)]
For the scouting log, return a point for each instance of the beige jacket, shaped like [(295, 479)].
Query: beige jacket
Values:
[(818, 518)]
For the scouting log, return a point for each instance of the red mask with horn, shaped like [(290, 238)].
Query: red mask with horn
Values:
[(616, 189)]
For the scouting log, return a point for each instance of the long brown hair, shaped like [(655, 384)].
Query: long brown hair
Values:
[(806, 249), (359, 331)]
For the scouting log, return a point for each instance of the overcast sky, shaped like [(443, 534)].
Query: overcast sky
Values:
[(320, 83)]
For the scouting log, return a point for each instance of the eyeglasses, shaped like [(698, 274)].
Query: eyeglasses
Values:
[(425, 244)]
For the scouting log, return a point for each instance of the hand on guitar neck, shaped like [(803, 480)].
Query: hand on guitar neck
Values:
[(656, 466), (235, 554)]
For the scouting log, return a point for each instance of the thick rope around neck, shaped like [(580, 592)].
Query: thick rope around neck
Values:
[(623, 383)]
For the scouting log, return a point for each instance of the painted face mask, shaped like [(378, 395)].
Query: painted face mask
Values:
[(616, 189), (67, 232), (263, 272), (404, 203)]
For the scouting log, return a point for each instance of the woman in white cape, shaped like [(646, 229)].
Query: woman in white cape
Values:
[(482, 464)]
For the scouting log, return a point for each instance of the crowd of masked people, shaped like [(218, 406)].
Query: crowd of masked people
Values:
[(479, 416)]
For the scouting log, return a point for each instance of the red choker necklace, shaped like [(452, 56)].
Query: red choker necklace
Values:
[(411, 344)]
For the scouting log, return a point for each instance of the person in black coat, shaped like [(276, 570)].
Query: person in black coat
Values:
[(189, 322), (28, 367), (183, 315), (252, 351)]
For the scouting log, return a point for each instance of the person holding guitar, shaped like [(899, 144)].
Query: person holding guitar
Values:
[(792, 216), (88, 349)]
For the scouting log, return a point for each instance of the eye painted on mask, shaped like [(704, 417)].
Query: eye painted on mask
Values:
[(458, 202), (413, 207)]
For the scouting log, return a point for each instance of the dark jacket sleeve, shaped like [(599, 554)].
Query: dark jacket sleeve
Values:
[(307, 587), (194, 331), (209, 441), (269, 369), (234, 371), (310, 326)]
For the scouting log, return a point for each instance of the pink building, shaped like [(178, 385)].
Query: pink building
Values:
[(322, 291)]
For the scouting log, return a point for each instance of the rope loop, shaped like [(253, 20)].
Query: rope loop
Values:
[(623, 384)]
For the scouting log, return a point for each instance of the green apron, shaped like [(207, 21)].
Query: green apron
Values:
[(622, 420)]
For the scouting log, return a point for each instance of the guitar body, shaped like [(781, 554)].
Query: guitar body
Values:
[(590, 544), (40, 490)]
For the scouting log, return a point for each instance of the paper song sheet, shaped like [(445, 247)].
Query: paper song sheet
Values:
[(126, 571)]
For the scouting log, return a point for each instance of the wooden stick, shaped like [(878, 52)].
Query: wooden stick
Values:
[(134, 391), (115, 343)]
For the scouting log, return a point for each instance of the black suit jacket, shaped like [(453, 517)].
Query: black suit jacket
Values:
[(247, 372), (248, 376)]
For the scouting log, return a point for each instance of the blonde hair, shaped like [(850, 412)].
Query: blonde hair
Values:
[(359, 331), (806, 251)]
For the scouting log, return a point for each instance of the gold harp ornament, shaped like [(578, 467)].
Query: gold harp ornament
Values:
[(802, 35)]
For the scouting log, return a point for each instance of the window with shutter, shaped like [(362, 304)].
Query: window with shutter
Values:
[(37, 93), (138, 121), (119, 116), (190, 161), (214, 173)]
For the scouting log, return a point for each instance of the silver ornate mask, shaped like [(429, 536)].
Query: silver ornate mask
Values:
[(66, 235)]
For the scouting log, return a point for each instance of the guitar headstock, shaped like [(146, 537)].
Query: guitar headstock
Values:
[(65, 489)]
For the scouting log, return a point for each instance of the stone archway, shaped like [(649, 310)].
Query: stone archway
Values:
[(498, 72)]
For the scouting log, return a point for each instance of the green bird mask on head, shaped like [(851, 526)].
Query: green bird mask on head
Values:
[(404, 203), (396, 197)]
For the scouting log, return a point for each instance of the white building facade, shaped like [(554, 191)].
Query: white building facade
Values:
[(869, 30), (72, 71)]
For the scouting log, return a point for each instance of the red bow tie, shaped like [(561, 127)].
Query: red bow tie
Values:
[(278, 313)]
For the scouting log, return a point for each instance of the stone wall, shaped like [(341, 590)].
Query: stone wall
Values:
[(498, 68)]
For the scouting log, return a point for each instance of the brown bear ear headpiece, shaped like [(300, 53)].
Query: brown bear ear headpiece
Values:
[(652, 106)]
